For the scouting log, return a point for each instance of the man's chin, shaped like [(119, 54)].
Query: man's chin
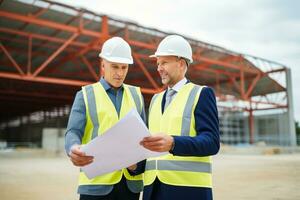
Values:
[(117, 85), (164, 81)]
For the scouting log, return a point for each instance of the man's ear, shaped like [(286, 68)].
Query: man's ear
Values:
[(182, 64), (101, 68)]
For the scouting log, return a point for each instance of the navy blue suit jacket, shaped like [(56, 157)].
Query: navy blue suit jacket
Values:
[(206, 143)]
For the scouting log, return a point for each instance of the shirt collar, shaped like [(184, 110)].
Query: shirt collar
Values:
[(179, 84), (106, 85)]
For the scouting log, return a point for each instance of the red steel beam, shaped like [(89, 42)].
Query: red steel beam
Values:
[(235, 84), (147, 74), (105, 27), (35, 15), (80, 44), (37, 71), (151, 91), (216, 71), (96, 34), (137, 43), (18, 50), (253, 84), (57, 32), (67, 28), (142, 44), (15, 64), (24, 42), (90, 67), (146, 57), (44, 79), (224, 59), (47, 23), (41, 37), (242, 84), (60, 81), (225, 64), (81, 52), (29, 55), (102, 37)]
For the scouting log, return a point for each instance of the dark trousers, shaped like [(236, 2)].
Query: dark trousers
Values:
[(119, 192), (161, 191)]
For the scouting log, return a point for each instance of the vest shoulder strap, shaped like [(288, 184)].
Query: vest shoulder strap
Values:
[(136, 97), (153, 99), (187, 113), (89, 98)]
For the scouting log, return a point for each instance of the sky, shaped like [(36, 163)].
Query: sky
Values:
[(268, 29)]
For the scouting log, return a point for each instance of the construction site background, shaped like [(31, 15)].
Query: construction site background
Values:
[(244, 172)]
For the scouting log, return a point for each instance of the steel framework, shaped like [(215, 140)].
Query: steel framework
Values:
[(49, 50)]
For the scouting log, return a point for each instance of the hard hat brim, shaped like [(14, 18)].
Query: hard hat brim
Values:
[(153, 56), (161, 54), (168, 54), (117, 59)]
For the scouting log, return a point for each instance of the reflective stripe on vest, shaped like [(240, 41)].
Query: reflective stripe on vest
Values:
[(179, 165), (187, 113), (94, 97), (136, 99), (191, 171), (92, 109)]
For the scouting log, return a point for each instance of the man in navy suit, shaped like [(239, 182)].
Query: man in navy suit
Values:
[(183, 121)]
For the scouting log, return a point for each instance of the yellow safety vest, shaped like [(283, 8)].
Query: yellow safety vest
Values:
[(178, 120), (101, 115)]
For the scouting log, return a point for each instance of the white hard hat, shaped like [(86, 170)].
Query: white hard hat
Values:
[(174, 45), (116, 50)]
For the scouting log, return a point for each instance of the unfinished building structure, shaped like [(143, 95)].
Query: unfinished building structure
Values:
[(49, 50)]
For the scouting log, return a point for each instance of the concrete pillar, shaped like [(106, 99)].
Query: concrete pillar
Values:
[(53, 139), (290, 112)]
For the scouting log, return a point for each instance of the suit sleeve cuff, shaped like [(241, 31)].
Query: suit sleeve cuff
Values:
[(173, 145)]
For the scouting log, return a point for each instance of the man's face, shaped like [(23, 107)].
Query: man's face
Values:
[(114, 73), (170, 69)]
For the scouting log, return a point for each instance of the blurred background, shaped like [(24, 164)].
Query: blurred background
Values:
[(248, 52)]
